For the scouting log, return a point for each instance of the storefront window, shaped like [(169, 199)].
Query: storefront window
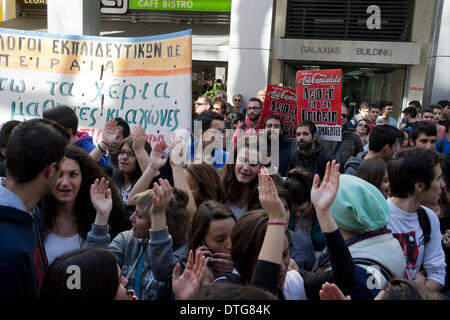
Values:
[(204, 75), (360, 84)]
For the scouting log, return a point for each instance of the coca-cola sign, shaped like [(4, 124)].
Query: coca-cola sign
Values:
[(281, 101), (319, 95), (283, 94), (319, 78)]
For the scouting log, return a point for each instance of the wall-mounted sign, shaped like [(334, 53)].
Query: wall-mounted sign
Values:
[(349, 51), (114, 6), (182, 5), (146, 80), (122, 6), (32, 3)]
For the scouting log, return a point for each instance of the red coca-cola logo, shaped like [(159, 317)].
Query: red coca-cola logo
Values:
[(319, 78), (286, 95)]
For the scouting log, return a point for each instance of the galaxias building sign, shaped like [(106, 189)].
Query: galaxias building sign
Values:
[(146, 81), (319, 98), (282, 101)]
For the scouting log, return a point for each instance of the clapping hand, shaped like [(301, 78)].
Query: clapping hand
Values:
[(101, 200), (185, 286)]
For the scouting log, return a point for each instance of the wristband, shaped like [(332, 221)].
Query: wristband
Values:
[(155, 168), (101, 147), (277, 223)]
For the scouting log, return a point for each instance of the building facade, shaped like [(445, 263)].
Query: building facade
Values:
[(389, 50)]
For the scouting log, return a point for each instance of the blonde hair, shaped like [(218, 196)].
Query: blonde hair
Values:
[(143, 200), (176, 215)]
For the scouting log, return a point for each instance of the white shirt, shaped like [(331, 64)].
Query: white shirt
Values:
[(238, 212), (56, 246), (406, 229), (294, 286)]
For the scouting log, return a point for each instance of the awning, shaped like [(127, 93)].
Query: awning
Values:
[(209, 42)]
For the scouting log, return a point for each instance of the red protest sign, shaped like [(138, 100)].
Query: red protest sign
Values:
[(282, 101), (319, 95)]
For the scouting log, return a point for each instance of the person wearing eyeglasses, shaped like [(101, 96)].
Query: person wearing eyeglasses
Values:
[(251, 123), (201, 105), (238, 104), (350, 144), (362, 130)]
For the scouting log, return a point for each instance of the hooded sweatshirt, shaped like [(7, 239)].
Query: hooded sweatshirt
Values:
[(85, 142), (156, 257), (381, 247), (23, 261)]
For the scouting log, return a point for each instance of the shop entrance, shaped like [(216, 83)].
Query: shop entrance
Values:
[(205, 73), (360, 84)]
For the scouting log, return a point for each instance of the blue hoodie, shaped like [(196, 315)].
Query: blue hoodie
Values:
[(85, 142), (23, 261)]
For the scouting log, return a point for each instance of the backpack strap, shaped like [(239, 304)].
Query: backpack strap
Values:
[(441, 145), (424, 223), (369, 262)]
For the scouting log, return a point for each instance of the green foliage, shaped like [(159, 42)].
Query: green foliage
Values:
[(211, 94)]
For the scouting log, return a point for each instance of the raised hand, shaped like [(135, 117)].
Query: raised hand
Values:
[(110, 132), (156, 156), (322, 197), (332, 292), (161, 195), (185, 286), (268, 196), (177, 152), (101, 200), (138, 134)]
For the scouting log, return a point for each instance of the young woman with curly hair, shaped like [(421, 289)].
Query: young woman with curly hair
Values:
[(68, 210)]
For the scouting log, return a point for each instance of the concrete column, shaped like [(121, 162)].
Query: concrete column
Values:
[(420, 33), (7, 9), (76, 17), (250, 47), (279, 31), (438, 62)]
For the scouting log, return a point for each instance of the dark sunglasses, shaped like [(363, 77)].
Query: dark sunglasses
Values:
[(363, 125), (344, 115), (237, 100)]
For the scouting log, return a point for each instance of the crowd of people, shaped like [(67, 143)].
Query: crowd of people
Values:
[(367, 217)]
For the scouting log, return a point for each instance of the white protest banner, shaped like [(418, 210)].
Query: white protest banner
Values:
[(145, 80)]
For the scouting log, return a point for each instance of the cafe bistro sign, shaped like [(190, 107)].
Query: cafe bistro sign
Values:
[(349, 51), (122, 6)]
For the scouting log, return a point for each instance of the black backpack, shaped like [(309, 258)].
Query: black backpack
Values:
[(424, 223)]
